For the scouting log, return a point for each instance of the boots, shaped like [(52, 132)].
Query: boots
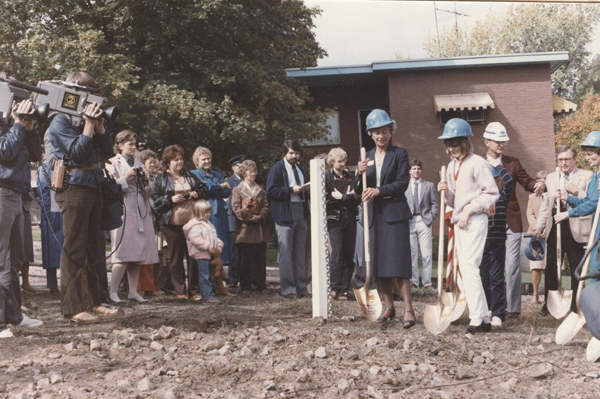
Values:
[(220, 288)]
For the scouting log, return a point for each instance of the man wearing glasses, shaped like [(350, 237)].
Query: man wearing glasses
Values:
[(495, 140), (576, 232)]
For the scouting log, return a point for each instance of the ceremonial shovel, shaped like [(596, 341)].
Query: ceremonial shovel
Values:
[(438, 317), (368, 299), (455, 300), (592, 353), (559, 302), (574, 321)]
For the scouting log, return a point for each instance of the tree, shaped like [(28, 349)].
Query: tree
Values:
[(530, 28), (192, 72), (575, 128)]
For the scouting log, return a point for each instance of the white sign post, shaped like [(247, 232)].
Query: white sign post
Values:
[(319, 242)]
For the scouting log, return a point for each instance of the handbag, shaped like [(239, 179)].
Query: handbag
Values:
[(251, 205), (112, 203)]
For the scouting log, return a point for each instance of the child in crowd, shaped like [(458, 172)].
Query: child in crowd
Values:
[(494, 252), (203, 243)]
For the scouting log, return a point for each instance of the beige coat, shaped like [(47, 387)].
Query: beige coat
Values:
[(533, 210), (251, 232), (580, 226), (138, 243)]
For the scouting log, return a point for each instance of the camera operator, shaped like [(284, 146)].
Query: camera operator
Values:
[(17, 148), (83, 149)]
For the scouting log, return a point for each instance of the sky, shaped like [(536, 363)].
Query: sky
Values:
[(362, 31)]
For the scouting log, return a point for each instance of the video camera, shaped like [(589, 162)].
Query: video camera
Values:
[(13, 92), (71, 98)]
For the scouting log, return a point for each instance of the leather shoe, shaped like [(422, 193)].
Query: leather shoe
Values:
[(544, 311), (104, 311), (84, 318), (387, 315), (483, 327)]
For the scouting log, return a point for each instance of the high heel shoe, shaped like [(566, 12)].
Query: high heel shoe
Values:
[(115, 297), (409, 323), (387, 315), (134, 296)]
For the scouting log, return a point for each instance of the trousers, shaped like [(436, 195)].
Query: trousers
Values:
[(342, 234), (492, 277), (420, 239), (513, 271), (291, 255)]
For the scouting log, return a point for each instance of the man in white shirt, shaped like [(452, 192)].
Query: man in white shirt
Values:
[(422, 200)]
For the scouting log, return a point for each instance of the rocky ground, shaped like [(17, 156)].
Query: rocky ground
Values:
[(269, 346)]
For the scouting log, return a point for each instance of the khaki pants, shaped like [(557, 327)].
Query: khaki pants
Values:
[(79, 285), (11, 256)]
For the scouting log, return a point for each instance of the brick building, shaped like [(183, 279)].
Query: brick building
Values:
[(421, 95)]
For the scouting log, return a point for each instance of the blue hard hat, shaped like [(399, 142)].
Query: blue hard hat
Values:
[(379, 118), (495, 172), (592, 140), (456, 127), (536, 248)]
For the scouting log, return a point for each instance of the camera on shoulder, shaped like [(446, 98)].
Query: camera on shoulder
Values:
[(71, 98), (12, 92)]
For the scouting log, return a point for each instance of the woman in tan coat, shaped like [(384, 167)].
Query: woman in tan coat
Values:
[(253, 218), (533, 210)]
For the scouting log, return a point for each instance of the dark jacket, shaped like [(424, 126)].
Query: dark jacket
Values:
[(394, 182), (233, 181), (518, 174), (17, 149), (279, 191), (348, 205), (497, 221), (164, 191), (69, 143)]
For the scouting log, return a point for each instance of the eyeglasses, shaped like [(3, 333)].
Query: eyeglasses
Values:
[(564, 160)]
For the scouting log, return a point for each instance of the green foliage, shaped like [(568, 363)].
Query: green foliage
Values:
[(531, 28), (191, 72)]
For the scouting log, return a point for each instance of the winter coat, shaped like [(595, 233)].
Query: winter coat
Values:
[(201, 237)]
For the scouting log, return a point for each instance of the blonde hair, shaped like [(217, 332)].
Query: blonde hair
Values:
[(336, 153), (245, 166), (199, 152), (201, 209), (466, 147)]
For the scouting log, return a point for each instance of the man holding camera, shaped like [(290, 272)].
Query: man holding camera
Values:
[(17, 148), (81, 204)]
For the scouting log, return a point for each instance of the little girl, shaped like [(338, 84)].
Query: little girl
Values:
[(203, 243)]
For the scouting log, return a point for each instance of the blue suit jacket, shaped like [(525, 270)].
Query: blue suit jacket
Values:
[(279, 191), (394, 182)]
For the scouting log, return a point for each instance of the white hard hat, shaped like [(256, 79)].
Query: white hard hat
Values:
[(495, 131)]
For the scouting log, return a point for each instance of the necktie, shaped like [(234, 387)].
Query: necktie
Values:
[(565, 184), (297, 177), (417, 209)]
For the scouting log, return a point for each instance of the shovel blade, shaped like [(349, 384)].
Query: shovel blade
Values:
[(559, 303), (369, 303), (459, 307), (569, 328), (592, 353), (437, 318)]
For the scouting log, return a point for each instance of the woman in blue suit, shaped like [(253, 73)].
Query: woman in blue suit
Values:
[(387, 179)]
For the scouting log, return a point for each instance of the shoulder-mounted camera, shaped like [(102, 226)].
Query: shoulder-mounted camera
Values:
[(71, 98), (13, 92)]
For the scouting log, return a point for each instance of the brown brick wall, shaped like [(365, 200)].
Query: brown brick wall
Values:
[(522, 95)]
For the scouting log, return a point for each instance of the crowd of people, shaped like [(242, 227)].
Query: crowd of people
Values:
[(175, 217)]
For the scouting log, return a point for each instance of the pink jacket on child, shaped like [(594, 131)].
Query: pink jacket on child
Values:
[(201, 238)]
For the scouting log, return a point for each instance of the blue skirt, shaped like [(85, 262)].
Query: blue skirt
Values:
[(390, 247)]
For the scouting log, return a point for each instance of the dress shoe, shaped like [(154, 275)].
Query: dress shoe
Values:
[(512, 315), (84, 318), (483, 327), (182, 296), (414, 286), (387, 315), (104, 311), (134, 296), (115, 297), (544, 311), (28, 322), (409, 323), (305, 295), (157, 293), (197, 297)]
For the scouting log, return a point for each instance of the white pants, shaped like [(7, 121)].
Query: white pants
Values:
[(420, 238), (470, 243), (512, 267)]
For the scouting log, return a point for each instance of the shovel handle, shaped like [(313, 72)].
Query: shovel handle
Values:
[(363, 156), (441, 236), (559, 258)]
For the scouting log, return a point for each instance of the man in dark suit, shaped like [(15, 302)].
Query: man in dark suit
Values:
[(234, 180), (495, 140), (422, 200), (289, 209)]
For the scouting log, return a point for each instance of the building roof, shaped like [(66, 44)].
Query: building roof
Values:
[(369, 73)]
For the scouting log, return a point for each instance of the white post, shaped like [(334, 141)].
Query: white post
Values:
[(318, 229)]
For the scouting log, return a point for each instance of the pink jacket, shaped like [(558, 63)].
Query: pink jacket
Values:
[(201, 237)]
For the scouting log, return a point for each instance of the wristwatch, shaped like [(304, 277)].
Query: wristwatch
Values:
[(576, 193)]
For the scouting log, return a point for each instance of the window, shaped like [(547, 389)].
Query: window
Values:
[(470, 115), (333, 135)]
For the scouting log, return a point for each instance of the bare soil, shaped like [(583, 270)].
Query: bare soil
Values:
[(268, 346)]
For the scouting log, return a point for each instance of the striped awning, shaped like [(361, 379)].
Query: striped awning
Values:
[(562, 106), (459, 102)]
